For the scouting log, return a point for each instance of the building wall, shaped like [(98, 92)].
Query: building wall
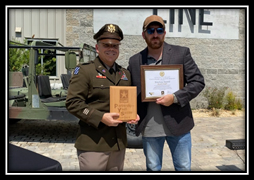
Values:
[(221, 61), (42, 23)]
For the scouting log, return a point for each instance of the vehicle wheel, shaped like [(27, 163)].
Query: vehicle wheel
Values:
[(133, 141)]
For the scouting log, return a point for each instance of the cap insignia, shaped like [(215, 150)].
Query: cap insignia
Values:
[(111, 28)]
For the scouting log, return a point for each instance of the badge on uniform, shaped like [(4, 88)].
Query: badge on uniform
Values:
[(76, 70), (124, 77), (86, 111), (100, 76)]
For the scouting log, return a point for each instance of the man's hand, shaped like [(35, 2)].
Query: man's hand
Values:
[(135, 121), (166, 100), (110, 119)]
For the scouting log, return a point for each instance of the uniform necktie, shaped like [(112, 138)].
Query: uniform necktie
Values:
[(112, 72)]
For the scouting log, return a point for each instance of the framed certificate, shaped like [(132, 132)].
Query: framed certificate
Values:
[(157, 81)]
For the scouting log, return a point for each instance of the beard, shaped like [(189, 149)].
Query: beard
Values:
[(154, 43)]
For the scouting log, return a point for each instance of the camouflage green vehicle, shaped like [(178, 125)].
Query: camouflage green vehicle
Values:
[(37, 101), (28, 102)]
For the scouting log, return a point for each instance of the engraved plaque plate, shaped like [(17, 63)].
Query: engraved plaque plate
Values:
[(123, 100)]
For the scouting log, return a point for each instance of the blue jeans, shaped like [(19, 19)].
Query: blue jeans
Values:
[(180, 147)]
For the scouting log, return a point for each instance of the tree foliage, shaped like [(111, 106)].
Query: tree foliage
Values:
[(18, 57)]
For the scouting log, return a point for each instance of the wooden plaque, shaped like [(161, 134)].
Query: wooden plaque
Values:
[(123, 100)]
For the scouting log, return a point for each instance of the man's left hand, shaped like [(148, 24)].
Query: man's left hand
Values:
[(135, 121), (166, 100)]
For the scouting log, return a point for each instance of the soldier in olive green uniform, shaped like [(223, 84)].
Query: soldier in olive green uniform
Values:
[(101, 140)]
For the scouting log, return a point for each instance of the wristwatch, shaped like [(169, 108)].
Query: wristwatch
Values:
[(175, 99)]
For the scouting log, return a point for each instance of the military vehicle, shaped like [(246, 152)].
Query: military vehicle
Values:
[(38, 101)]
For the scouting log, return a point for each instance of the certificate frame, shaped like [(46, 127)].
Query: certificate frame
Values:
[(165, 72)]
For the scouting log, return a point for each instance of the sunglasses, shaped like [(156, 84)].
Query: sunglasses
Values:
[(152, 30)]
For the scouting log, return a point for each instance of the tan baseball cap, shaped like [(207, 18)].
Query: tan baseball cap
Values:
[(153, 18)]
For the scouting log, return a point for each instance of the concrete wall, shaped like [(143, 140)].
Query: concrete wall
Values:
[(221, 61)]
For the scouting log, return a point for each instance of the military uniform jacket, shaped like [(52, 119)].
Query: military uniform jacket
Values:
[(88, 99)]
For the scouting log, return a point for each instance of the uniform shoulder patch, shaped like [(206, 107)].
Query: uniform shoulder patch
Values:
[(76, 70)]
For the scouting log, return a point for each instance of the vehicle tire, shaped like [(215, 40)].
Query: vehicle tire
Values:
[(133, 141)]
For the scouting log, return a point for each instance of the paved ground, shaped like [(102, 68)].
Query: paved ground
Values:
[(55, 139)]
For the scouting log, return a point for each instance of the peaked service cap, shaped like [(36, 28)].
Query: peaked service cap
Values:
[(109, 31)]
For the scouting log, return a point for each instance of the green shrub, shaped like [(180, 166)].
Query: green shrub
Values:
[(17, 58), (215, 97), (218, 100), (231, 103)]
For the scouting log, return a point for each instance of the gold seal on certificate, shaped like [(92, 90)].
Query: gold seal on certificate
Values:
[(162, 73), (157, 81), (123, 100)]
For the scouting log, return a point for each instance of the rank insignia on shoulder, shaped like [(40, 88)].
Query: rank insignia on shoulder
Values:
[(86, 111), (76, 70)]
